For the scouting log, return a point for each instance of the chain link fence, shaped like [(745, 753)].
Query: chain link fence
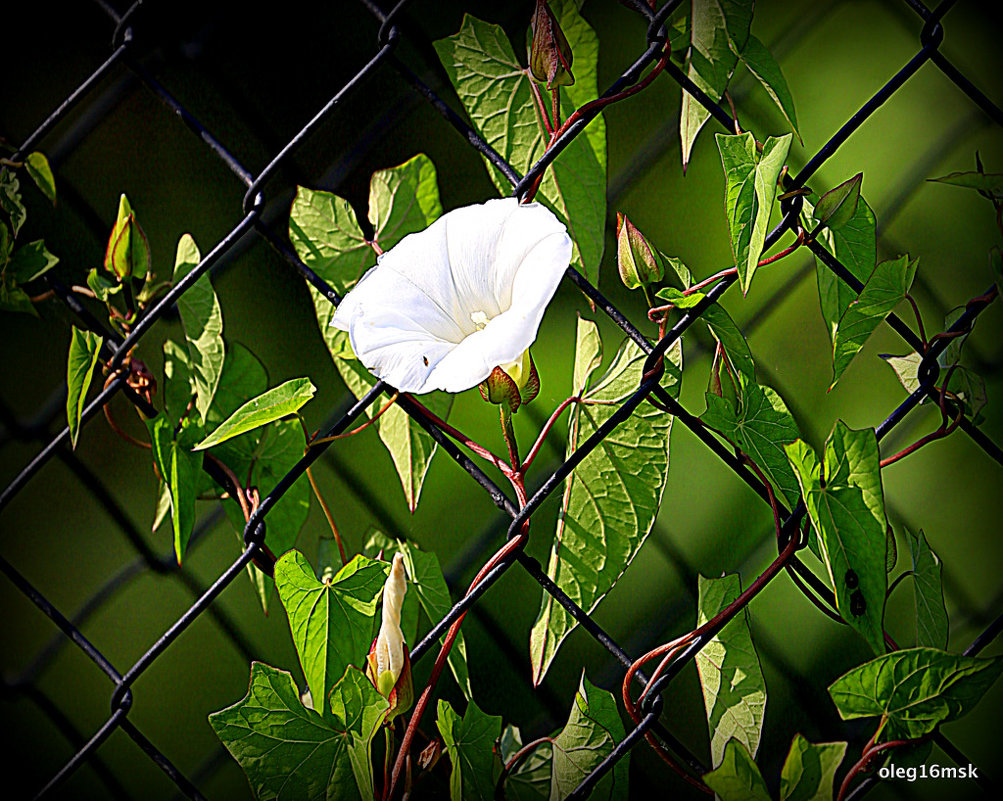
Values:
[(399, 49)]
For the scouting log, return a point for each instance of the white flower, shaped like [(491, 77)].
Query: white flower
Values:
[(448, 304), (389, 646)]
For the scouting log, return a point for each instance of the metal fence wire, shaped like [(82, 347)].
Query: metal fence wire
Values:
[(394, 28)]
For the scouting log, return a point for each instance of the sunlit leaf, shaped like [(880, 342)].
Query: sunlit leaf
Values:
[(179, 469), (470, 742), (38, 168), (810, 770), (766, 70), (932, 625), (270, 406), (737, 778), (85, 347)]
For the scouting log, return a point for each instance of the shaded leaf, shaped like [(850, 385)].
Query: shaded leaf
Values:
[(13, 298), (838, 206), (85, 347), (983, 182), (530, 779), (403, 200), (849, 525), (179, 469), (610, 500), (718, 29), (470, 742), (737, 778), (38, 168), (202, 320), (751, 189), (766, 70), (272, 405), (31, 261), (496, 92), (10, 199), (810, 770), (331, 623), (734, 690), (592, 731), (883, 291), (914, 690), (289, 752), (932, 626)]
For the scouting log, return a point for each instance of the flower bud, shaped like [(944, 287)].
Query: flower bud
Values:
[(389, 663), (638, 264), (550, 56), (514, 383), (128, 253)]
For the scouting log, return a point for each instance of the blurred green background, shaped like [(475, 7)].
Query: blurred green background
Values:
[(254, 76)]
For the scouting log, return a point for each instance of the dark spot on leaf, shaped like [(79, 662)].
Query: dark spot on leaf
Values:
[(851, 580), (857, 604)]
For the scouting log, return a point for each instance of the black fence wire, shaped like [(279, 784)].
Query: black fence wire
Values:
[(393, 29)]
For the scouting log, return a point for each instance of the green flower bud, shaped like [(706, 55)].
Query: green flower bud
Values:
[(514, 383), (128, 252), (636, 259), (550, 56)]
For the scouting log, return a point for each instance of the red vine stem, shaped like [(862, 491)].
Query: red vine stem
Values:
[(354, 431), (535, 450)]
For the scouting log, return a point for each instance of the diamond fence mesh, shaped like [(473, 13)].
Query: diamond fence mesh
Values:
[(391, 48)]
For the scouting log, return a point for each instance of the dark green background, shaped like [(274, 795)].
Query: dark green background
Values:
[(254, 75)]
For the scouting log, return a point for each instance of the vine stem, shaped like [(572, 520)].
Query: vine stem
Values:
[(517, 757), (354, 431), (464, 440), (535, 450)]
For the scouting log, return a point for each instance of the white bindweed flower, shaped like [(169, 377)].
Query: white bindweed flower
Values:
[(389, 647), (448, 304)]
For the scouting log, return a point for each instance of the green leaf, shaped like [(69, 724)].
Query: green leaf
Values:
[(854, 244), (177, 381), (179, 468), (85, 347), (243, 376), (530, 779), (848, 518), (495, 89), (411, 448), (883, 291), (751, 189), (202, 320), (588, 354), (996, 267), (592, 731), (761, 426), (810, 770), (932, 626), (737, 778), (277, 449), (289, 752), (6, 243), (470, 742), (718, 29), (403, 200), (610, 500), (12, 297), (102, 286), (914, 690), (837, 207), (331, 623), (31, 261), (10, 199), (734, 690), (272, 405), (38, 168), (906, 369), (429, 587), (983, 182), (766, 70)]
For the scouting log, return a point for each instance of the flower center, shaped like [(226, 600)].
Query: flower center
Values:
[(480, 319)]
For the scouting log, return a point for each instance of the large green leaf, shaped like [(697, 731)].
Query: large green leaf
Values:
[(932, 625), (761, 426), (847, 514), (177, 381), (914, 690), (737, 778), (272, 405), (202, 320), (327, 237), (470, 742), (496, 91), (883, 291), (85, 347), (331, 622), (429, 588), (291, 753), (411, 447), (610, 500), (718, 29), (810, 770), (766, 70), (592, 731), (179, 468), (854, 244), (734, 690), (751, 188)]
